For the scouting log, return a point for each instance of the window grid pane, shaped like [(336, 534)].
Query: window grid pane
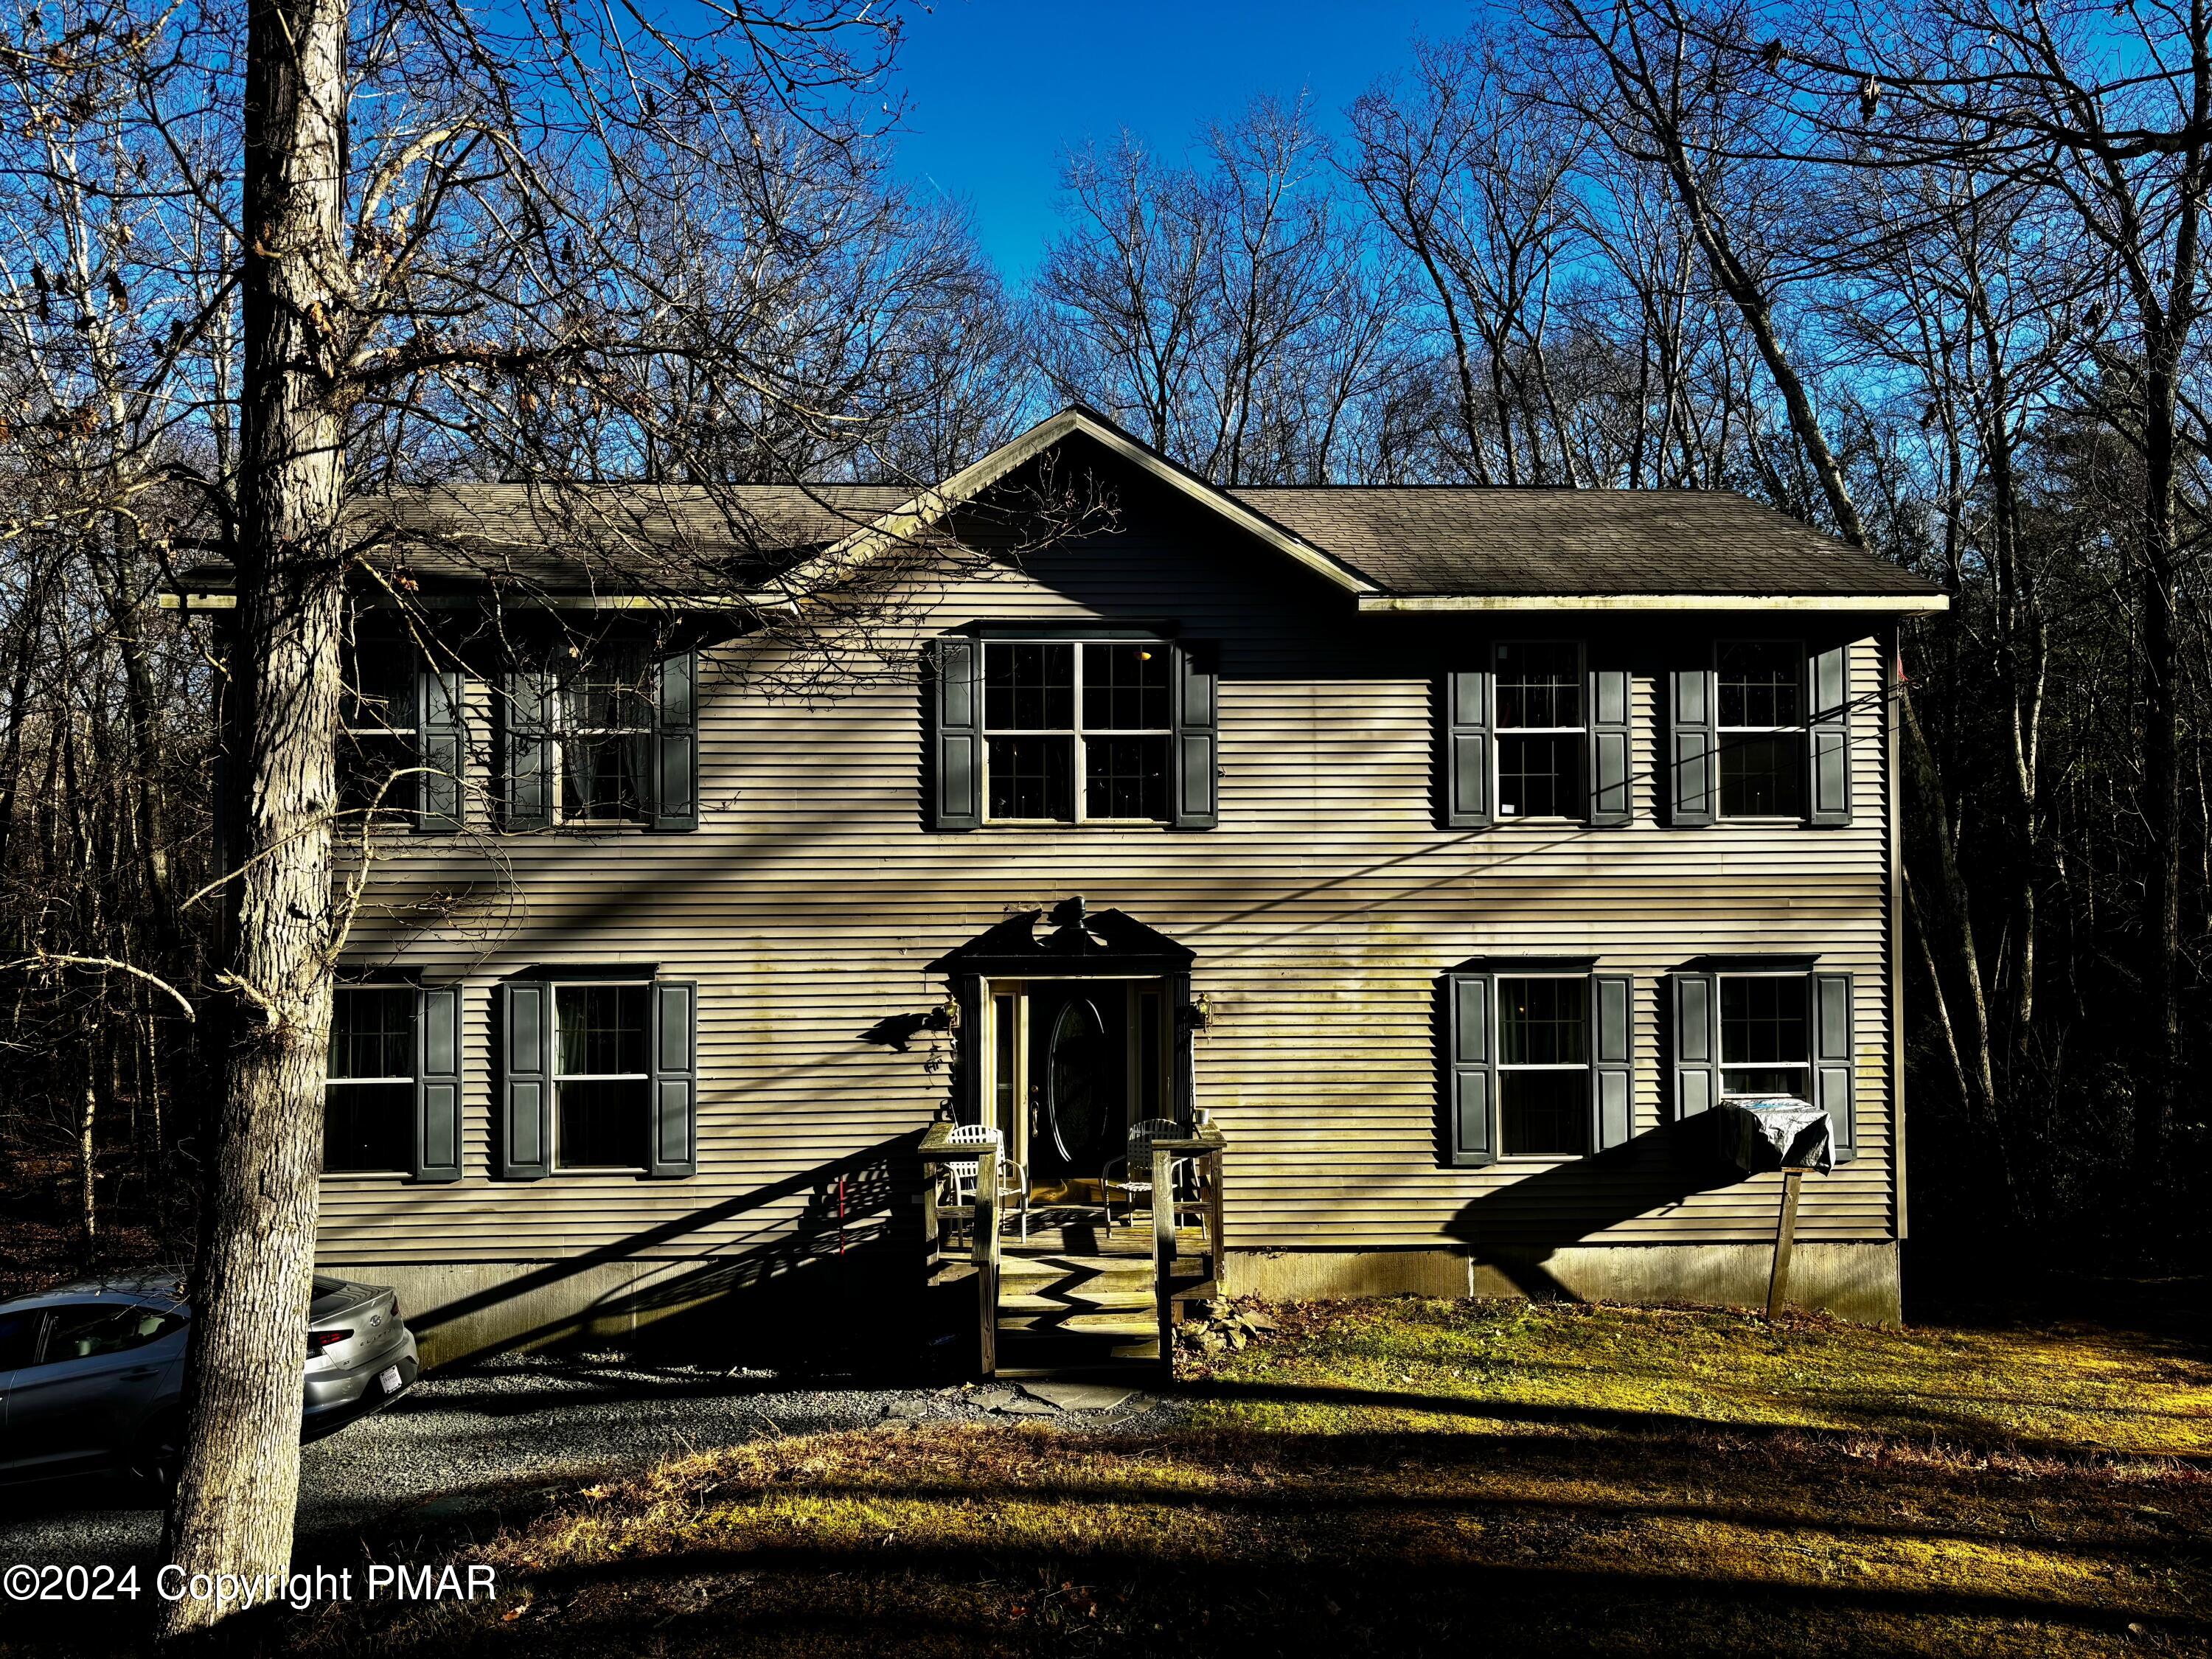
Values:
[(1543, 1084), (605, 714), (1124, 686), (1032, 778), (1539, 777), (1540, 686), (1544, 1114), (1766, 1035), (1543, 1022), (1758, 684), (372, 1032), (602, 1030), (1125, 777), (1028, 685)]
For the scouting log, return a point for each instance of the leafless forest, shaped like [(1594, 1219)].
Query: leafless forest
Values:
[(1927, 276)]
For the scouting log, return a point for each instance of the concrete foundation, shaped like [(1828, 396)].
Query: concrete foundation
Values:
[(1853, 1281), (465, 1310)]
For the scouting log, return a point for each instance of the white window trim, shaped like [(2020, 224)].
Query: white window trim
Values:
[(1723, 733), (1587, 1066), (410, 1079), (555, 1077), (1804, 1068), (1499, 731), (1079, 731)]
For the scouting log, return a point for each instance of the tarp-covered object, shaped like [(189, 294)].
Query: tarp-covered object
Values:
[(1774, 1134)]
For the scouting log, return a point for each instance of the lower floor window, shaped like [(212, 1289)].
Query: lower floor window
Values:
[(1543, 1066), (368, 1103), (1766, 1039), (602, 1080)]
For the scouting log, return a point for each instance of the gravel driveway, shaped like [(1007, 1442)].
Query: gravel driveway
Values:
[(466, 1447)]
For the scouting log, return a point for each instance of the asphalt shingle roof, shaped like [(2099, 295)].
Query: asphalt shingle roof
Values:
[(1415, 541)]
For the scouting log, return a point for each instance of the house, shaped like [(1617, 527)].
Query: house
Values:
[(1452, 850)]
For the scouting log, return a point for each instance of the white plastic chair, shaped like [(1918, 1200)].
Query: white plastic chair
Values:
[(1013, 1181), (1136, 1166)]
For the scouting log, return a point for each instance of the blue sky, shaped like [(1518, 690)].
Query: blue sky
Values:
[(998, 91)]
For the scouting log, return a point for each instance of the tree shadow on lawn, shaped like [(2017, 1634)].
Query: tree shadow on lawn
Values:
[(1028, 1542)]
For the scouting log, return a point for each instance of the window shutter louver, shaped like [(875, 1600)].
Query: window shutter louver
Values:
[(526, 1084), (1467, 724), (675, 1081), (1829, 738), (1613, 1057), (1835, 1058), (526, 757), (1197, 732), (437, 1084), (959, 761), (1692, 764), (1694, 1014), (1471, 1103), (676, 742), (1610, 801), (438, 748)]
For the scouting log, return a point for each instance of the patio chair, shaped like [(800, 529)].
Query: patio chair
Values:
[(1136, 1167), (1013, 1180)]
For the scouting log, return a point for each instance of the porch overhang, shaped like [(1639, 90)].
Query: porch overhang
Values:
[(1080, 943)]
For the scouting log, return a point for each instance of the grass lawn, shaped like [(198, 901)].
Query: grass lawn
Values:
[(1430, 1477)]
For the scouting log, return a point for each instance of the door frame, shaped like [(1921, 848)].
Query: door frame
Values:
[(996, 1059)]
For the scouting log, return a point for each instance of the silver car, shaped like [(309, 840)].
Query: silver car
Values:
[(91, 1373)]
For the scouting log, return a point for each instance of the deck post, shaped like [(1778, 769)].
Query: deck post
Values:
[(986, 1253), (1164, 1251)]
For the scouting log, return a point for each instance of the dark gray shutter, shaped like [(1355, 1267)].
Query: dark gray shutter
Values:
[(1182, 1052), (1829, 738), (957, 781), (1466, 800), (525, 1081), (526, 750), (1197, 707), (676, 742), (1693, 764), (1694, 1005), (1610, 801), (437, 1083), (1613, 1057), (1834, 1059), (1471, 1093), (438, 748), (675, 1081)]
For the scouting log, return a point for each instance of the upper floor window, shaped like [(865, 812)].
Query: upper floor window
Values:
[(378, 731), (1078, 730), (1539, 731), (368, 1103), (603, 734), (1759, 730), (1766, 1036)]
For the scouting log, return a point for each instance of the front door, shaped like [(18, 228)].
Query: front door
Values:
[(1079, 1094)]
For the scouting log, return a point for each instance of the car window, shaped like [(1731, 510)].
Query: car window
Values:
[(84, 1329), (19, 1336)]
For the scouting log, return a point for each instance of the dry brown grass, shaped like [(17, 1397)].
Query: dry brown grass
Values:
[(1439, 1478)]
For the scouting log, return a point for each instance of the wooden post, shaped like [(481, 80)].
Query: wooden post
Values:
[(1786, 1233), (931, 1234), (1164, 1251), (1213, 1163), (986, 1251)]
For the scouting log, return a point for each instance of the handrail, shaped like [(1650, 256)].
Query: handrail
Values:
[(938, 1148)]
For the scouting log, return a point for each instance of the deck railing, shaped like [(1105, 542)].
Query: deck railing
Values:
[(937, 1150)]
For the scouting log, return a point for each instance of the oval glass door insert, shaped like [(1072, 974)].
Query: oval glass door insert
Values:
[(1075, 1102)]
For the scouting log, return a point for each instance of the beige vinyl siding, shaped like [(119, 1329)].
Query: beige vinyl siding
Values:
[(1322, 911)]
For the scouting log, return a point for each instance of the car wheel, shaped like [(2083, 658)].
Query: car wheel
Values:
[(161, 1454)]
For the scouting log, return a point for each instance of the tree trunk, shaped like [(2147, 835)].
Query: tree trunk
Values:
[(233, 1507)]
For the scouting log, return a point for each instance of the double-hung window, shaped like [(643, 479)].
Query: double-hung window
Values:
[(1766, 1036), (368, 1101), (1543, 1066), (1540, 731), (1077, 731), (602, 1076), (1759, 729), (378, 735), (603, 737)]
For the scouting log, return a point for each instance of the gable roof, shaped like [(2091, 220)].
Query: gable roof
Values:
[(1390, 547)]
